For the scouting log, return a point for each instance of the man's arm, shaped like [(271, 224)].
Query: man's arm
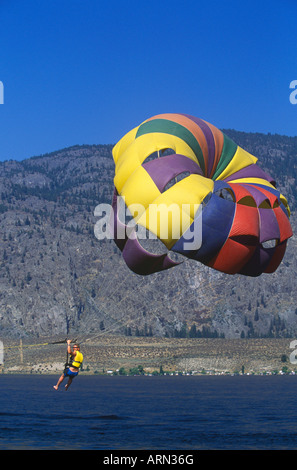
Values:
[(69, 347)]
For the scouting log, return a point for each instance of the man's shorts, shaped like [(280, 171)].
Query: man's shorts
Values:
[(69, 373)]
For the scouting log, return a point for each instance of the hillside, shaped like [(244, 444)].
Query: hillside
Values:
[(56, 278)]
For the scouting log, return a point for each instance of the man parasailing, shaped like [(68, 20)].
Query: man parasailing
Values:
[(72, 366)]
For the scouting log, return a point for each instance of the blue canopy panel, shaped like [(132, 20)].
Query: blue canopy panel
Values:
[(216, 219)]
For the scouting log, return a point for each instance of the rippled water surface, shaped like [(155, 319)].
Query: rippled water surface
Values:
[(100, 412)]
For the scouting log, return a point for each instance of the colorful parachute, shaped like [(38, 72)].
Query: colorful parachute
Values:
[(236, 205)]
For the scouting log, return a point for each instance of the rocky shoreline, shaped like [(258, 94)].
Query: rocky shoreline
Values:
[(153, 355)]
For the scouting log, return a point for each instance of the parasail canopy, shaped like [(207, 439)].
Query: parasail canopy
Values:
[(188, 184)]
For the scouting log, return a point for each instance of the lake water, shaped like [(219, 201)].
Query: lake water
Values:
[(169, 412)]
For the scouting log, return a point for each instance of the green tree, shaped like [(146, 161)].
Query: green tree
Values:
[(193, 331), (284, 358)]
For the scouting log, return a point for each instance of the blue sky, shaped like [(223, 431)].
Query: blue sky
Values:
[(86, 72)]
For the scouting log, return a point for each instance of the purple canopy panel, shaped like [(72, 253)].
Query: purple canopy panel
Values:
[(258, 262), (116, 225), (163, 169), (269, 229), (142, 262), (257, 195), (136, 257), (251, 171)]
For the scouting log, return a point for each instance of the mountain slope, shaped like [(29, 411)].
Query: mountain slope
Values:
[(57, 278)]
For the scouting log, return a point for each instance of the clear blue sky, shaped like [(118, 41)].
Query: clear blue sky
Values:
[(87, 71)]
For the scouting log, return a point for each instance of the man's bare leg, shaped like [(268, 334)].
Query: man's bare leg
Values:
[(68, 383), (59, 382)]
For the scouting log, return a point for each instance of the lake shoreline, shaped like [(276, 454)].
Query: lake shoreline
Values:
[(117, 355)]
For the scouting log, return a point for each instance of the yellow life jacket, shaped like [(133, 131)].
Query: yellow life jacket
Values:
[(77, 361)]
